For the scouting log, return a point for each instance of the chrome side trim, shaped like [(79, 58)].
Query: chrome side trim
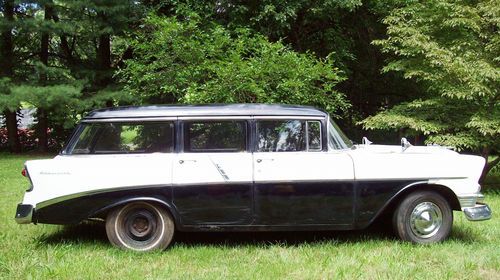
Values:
[(58, 199), (479, 212), (52, 201), (42, 204), (252, 117), (290, 117), (214, 117), (130, 119)]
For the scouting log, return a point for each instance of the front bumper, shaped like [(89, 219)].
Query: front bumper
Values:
[(479, 212), (24, 213)]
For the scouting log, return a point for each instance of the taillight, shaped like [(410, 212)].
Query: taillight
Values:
[(25, 173)]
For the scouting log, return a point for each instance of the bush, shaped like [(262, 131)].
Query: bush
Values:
[(195, 62), (28, 140)]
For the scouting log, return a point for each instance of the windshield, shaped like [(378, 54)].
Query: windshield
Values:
[(337, 140)]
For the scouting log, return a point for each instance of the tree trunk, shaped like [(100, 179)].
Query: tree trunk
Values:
[(489, 165), (6, 62), (104, 62), (7, 70), (13, 136), (42, 125), (65, 47)]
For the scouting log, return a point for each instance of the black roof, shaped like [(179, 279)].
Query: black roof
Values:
[(205, 110)]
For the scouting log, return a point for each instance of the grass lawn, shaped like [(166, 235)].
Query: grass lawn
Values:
[(83, 252)]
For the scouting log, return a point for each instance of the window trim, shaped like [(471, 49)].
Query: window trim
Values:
[(178, 129), (280, 118), (74, 138), (131, 120), (320, 136)]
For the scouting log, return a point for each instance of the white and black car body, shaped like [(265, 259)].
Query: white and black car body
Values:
[(244, 167)]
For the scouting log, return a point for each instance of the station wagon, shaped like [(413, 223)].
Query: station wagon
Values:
[(153, 171)]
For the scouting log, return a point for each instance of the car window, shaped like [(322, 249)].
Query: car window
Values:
[(288, 136), (119, 138), (337, 140), (215, 136), (82, 145), (314, 135)]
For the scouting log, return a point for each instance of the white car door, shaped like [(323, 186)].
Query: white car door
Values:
[(213, 174), (297, 181)]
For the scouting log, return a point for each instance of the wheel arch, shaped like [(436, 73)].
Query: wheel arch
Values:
[(394, 201), (103, 212)]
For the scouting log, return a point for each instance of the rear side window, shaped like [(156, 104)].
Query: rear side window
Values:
[(314, 136), (215, 136), (288, 136), (123, 138)]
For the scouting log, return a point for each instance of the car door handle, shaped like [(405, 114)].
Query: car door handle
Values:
[(259, 160), (185, 160)]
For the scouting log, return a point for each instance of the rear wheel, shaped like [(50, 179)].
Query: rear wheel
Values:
[(140, 226), (423, 217)]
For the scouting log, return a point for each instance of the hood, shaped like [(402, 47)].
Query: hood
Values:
[(396, 149), (390, 161)]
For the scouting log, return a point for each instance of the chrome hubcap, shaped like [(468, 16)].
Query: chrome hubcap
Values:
[(426, 219)]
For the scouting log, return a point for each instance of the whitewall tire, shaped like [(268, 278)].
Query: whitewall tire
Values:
[(140, 226), (423, 217)]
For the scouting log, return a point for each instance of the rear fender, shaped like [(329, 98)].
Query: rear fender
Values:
[(102, 212)]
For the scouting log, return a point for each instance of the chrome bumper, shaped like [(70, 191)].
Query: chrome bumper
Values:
[(479, 212), (24, 214), (470, 200)]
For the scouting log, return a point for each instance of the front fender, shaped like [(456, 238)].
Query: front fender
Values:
[(378, 199)]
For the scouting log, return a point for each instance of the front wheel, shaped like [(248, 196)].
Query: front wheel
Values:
[(140, 226), (423, 217)]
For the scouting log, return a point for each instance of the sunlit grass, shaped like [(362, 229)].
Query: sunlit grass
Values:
[(83, 252)]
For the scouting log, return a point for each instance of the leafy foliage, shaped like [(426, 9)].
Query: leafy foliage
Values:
[(59, 59), (452, 47), (344, 28), (193, 63)]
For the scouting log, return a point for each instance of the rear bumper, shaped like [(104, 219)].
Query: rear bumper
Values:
[(479, 212), (24, 213)]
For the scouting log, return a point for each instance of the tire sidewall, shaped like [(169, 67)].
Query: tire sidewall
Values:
[(402, 215), (164, 221)]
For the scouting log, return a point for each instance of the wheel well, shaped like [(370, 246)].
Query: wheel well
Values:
[(103, 212), (446, 192)]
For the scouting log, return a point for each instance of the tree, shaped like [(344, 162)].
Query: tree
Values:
[(452, 48), (103, 20), (8, 107), (344, 28), (191, 62), (43, 125), (58, 58)]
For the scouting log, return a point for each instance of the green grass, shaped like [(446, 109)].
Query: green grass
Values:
[(83, 252)]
